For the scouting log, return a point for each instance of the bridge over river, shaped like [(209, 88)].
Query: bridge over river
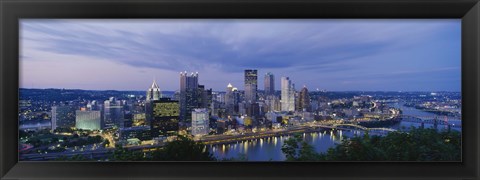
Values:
[(435, 120), (227, 139), (315, 127)]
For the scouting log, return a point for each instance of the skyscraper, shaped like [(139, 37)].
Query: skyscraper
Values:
[(253, 109), (303, 102), (63, 116), (88, 120), (250, 85), (114, 113), (189, 95), (288, 94), (165, 117), (203, 97), (269, 84), (154, 93), (229, 94), (273, 103), (200, 122), (236, 99), (229, 99)]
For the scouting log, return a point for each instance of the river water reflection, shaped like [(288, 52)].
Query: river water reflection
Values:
[(269, 149)]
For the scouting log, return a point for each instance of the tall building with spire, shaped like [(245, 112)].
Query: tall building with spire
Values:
[(269, 84), (288, 94), (251, 85), (154, 93)]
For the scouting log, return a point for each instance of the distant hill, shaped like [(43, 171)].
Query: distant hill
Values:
[(77, 94)]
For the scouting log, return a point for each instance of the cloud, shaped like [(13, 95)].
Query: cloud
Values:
[(315, 46)]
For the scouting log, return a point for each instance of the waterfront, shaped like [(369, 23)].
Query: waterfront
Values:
[(269, 149)]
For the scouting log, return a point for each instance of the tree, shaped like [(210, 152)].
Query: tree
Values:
[(296, 149), (54, 140), (183, 149), (123, 154)]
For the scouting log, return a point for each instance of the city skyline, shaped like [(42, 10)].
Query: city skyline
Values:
[(337, 55)]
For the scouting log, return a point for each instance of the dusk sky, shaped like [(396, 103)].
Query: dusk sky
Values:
[(336, 55)]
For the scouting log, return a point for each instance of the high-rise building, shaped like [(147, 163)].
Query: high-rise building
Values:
[(229, 94), (288, 94), (203, 97), (242, 109), (165, 117), (114, 114), (250, 85), (303, 102), (208, 98), (88, 120), (154, 93), (269, 84), (273, 103), (63, 116), (253, 110), (188, 95), (200, 122), (229, 99), (236, 100)]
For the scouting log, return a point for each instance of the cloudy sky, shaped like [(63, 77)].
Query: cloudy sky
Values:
[(336, 55)]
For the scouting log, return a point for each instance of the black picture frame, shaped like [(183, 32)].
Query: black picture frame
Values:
[(13, 10)]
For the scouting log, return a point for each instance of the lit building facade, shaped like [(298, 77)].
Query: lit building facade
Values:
[(288, 94), (200, 122), (88, 120), (165, 117)]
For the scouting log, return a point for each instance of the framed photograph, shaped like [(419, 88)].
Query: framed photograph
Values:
[(251, 89)]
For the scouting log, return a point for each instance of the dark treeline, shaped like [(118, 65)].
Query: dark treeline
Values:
[(414, 145)]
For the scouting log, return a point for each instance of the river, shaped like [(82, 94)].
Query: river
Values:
[(269, 149)]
